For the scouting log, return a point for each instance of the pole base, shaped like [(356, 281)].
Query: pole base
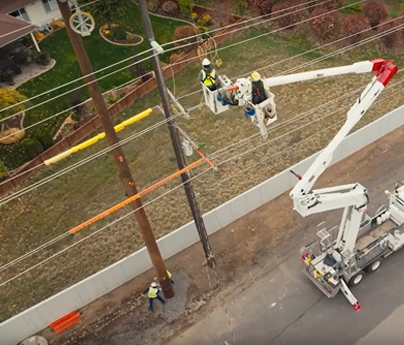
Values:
[(167, 288), (210, 261)]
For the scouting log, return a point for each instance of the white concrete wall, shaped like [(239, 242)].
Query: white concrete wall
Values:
[(35, 319)]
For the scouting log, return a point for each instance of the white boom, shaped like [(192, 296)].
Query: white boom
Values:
[(264, 114), (352, 198)]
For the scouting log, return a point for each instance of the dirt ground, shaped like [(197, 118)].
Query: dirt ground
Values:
[(242, 250), (52, 209)]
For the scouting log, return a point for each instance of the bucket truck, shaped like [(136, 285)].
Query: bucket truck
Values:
[(264, 114), (341, 255)]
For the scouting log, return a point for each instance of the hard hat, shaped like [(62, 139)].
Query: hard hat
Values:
[(205, 62), (255, 76), (153, 285)]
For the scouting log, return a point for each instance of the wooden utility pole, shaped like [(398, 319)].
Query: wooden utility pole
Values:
[(121, 163), (193, 203)]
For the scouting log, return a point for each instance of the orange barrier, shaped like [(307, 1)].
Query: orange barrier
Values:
[(133, 198), (66, 322)]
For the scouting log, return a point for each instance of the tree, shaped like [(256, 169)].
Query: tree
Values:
[(333, 4), (392, 39), (325, 26), (240, 6), (9, 97), (353, 25), (3, 170), (375, 12), (106, 9), (261, 6), (284, 17)]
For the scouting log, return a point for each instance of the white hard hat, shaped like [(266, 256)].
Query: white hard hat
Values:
[(205, 62), (153, 284)]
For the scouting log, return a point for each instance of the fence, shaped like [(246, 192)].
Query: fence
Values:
[(26, 171), (77, 296)]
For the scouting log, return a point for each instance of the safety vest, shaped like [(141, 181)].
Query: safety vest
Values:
[(152, 293), (209, 79), (169, 275), (258, 92)]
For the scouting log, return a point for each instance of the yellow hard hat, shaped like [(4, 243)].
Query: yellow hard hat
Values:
[(255, 76)]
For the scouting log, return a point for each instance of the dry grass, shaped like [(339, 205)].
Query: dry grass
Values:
[(54, 208)]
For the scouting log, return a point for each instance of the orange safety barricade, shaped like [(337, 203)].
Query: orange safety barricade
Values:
[(65, 322)]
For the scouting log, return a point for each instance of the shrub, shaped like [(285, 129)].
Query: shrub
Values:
[(44, 136), (76, 102), (9, 97), (183, 35), (333, 4), (186, 7), (138, 70), (393, 39), (32, 146), (239, 6), (287, 17), (119, 33), (353, 25), (310, 5), (170, 7), (261, 6), (151, 6), (205, 20), (375, 12), (3, 170), (327, 26)]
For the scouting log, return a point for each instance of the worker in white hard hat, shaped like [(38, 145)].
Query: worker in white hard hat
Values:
[(208, 76), (153, 293), (257, 89)]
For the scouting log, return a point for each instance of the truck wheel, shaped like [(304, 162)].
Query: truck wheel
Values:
[(356, 279), (374, 266)]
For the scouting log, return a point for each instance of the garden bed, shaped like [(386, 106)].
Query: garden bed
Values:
[(109, 34)]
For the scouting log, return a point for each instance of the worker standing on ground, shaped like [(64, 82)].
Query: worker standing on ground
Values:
[(257, 89), (208, 76), (153, 293), (169, 277)]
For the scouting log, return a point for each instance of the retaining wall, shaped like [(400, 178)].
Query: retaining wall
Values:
[(77, 296)]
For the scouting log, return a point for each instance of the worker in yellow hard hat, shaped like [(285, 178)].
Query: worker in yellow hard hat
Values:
[(257, 89)]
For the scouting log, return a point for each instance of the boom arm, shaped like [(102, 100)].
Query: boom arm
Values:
[(304, 199)]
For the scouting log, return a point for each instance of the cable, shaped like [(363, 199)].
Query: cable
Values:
[(49, 243), (96, 156), (182, 61), (84, 161), (158, 197)]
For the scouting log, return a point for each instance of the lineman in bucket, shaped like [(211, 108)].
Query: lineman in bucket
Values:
[(208, 76), (153, 293)]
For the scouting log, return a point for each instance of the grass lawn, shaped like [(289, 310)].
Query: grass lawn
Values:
[(54, 208), (101, 54)]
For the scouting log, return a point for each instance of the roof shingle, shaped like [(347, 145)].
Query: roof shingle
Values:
[(12, 29)]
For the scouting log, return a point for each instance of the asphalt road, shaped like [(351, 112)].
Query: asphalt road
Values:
[(284, 307)]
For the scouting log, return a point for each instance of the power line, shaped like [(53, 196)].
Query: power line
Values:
[(62, 236), (50, 178), (164, 194), (172, 49)]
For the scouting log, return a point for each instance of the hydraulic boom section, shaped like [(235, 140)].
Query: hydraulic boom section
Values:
[(340, 260), (303, 197)]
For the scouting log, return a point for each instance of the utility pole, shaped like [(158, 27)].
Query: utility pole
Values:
[(122, 165), (196, 213)]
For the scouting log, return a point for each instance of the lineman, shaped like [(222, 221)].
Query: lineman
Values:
[(257, 89), (153, 293), (208, 76), (169, 277)]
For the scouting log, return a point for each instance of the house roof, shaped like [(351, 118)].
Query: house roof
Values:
[(7, 6), (12, 29)]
